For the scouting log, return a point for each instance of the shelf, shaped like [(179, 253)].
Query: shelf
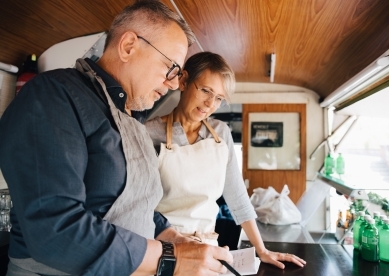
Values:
[(354, 187)]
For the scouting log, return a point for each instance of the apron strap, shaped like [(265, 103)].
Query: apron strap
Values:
[(169, 131), (83, 67), (213, 132)]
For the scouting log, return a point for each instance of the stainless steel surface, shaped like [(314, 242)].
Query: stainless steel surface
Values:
[(282, 233), (351, 184)]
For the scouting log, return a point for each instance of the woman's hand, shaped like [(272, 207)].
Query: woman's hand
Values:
[(274, 258)]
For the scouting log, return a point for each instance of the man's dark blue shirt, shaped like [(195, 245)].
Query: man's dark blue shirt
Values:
[(62, 158)]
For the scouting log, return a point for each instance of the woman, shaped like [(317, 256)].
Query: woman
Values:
[(197, 160)]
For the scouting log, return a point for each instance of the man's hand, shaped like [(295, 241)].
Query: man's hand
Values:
[(194, 258), (171, 235)]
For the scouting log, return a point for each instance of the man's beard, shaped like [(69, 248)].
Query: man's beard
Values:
[(141, 103)]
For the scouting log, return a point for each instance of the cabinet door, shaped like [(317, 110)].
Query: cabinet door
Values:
[(258, 177)]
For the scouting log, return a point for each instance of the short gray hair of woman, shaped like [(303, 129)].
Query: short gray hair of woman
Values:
[(200, 62), (146, 18)]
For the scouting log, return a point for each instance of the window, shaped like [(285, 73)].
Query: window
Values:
[(365, 149)]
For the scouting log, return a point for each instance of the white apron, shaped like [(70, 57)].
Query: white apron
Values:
[(193, 178)]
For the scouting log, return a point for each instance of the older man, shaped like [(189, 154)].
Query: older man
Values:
[(82, 172)]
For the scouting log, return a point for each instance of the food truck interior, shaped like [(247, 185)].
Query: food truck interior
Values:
[(312, 81)]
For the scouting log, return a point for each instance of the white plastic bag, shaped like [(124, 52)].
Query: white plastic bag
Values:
[(274, 208)]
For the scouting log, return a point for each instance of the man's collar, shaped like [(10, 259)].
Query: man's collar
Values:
[(107, 79), (114, 89)]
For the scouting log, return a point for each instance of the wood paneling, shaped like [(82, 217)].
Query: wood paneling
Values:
[(319, 44), (296, 180), (33, 26)]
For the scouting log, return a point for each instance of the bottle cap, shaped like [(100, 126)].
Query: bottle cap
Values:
[(383, 217), (386, 221), (376, 213), (33, 57), (361, 213)]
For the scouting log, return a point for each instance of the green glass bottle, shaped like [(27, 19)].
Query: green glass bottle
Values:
[(364, 223), (376, 216), (357, 225), (384, 242), (329, 164), (340, 164), (369, 246), (380, 223)]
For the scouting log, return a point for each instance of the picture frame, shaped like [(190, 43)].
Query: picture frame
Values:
[(267, 134)]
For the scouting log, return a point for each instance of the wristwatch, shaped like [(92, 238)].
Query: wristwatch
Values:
[(167, 262)]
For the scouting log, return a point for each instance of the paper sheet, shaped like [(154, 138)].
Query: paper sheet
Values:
[(245, 261)]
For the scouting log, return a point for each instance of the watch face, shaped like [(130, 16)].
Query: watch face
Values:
[(166, 266)]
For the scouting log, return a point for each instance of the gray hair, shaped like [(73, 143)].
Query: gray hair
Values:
[(144, 17), (200, 62)]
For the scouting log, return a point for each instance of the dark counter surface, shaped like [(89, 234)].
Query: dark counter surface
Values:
[(4, 238), (322, 260), (4, 244)]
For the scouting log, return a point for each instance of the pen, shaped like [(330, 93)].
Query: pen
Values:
[(230, 268)]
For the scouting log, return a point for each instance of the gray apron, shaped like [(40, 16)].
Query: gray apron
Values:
[(134, 208)]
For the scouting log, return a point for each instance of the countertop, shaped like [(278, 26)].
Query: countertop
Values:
[(281, 233), (322, 260)]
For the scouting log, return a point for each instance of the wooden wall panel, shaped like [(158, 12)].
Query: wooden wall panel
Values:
[(296, 180)]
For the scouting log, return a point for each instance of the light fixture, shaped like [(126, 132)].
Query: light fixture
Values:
[(272, 66), (375, 71)]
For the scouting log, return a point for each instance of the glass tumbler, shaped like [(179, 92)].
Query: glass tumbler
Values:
[(5, 224), (5, 200)]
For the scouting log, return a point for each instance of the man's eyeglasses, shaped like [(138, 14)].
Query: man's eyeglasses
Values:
[(206, 94), (174, 71)]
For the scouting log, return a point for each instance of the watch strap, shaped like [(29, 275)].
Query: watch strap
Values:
[(167, 262), (168, 249)]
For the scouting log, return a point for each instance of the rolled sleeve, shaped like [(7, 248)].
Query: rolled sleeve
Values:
[(161, 223)]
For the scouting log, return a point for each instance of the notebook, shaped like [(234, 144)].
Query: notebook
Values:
[(245, 261)]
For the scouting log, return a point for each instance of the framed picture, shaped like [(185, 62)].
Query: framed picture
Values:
[(267, 134), (274, 141)]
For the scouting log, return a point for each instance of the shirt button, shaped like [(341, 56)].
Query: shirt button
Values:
[(121, 95)]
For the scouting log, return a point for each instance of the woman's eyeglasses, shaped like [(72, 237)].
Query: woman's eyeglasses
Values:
[(206, 94)]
